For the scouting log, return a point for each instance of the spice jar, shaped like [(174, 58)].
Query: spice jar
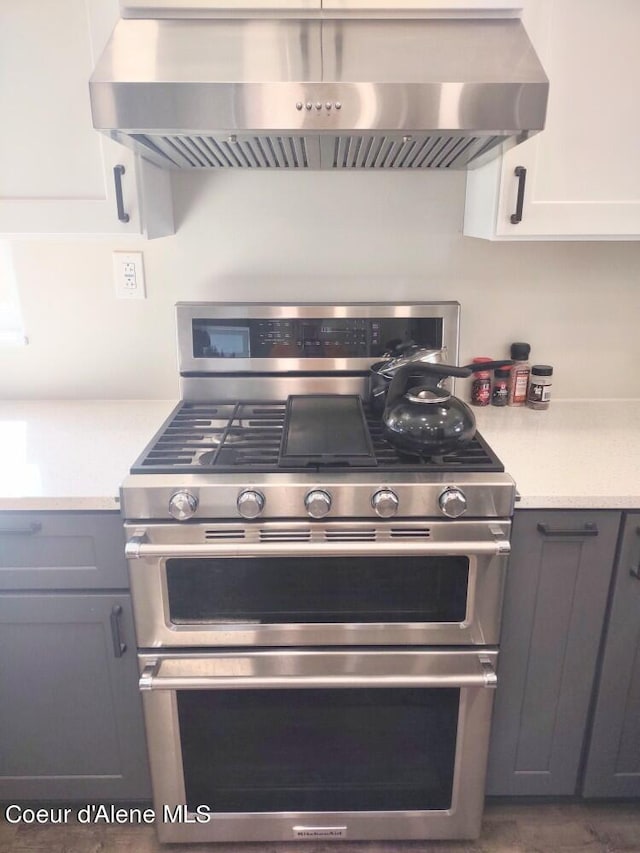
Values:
[(500, 390), (481, 385), (539, 393), (519, 378)]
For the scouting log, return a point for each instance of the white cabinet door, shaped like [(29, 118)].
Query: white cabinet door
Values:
[(583, 170), (433, 6), (56, 171), (209, 8)]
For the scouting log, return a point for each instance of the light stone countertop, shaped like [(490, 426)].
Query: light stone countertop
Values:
[(72, 455), (574, 455)]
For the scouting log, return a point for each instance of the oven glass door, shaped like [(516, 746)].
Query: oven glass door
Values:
[(293, 590), (318, 750)]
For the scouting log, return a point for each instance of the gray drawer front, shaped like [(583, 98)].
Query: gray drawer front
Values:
[(60, 550)]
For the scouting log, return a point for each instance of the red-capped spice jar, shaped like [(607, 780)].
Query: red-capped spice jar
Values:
[(481, 385)]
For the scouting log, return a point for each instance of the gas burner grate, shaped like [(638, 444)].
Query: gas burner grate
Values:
[(246, 436)]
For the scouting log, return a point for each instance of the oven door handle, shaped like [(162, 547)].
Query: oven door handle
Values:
[(478, 672), (138, 547)]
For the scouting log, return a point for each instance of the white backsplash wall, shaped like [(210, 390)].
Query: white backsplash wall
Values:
[(321, 237)]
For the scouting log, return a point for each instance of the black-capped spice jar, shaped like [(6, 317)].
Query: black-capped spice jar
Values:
[(520, 371), (500, 390), (539, 394), (481, 385)]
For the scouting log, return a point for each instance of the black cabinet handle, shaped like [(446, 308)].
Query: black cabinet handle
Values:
[(521, 175), (118, 172), (634, 571), (27, 530), (119, 648), (588, 529)]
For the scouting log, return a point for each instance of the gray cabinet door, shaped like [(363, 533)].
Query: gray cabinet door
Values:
[(613, 763), (555, 598), (62, 550), (70, 711)]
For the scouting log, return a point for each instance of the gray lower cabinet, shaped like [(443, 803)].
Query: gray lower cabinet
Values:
[(71, 725), (555, 601), (613, 761)]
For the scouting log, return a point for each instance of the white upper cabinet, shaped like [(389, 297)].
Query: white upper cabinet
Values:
[(56, 171), (582, 178), (435, 6), (210, 8), (194, 8)]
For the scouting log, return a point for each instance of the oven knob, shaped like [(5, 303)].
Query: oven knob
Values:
[(183, 505), (250, 503), (385, 503), (318, 503), (453, 503)]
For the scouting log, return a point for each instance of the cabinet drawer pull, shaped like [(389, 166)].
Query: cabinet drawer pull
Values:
[(588, 529), (118, 172), (521, 174), (27, 530), (119, 648)]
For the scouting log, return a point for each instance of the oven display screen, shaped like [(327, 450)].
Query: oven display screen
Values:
[(319, 337), (212, 340)]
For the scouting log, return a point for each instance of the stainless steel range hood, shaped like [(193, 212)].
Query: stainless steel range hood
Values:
[(318, 93)]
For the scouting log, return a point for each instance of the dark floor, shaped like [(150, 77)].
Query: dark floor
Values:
[(507, 828)]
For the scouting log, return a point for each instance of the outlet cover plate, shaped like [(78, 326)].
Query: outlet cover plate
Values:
[(128, 275)]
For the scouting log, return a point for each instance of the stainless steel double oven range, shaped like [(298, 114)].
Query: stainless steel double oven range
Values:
[(317, 636)]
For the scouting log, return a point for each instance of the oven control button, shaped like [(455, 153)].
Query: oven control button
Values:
[(250, 503), (318, 503), (453, 503), (183, 505), (385, 503)]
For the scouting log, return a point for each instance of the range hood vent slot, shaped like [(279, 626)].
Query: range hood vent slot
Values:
[(409, 152), (207, 152)]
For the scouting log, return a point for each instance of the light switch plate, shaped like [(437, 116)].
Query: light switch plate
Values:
[(128, 274)]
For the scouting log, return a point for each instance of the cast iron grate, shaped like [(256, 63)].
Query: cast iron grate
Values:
[(209, 437)]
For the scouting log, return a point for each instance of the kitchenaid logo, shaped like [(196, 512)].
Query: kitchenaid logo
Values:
[(320, 831), (97, 813)]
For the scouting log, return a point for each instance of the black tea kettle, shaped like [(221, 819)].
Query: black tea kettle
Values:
[(424, 418)]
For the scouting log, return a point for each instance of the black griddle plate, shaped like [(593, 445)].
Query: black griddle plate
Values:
[(326, 430)]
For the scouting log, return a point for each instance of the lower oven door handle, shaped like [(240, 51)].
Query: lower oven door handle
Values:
[(137, 548), (481, 674)]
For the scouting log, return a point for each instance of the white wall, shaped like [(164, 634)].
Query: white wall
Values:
[(325, 237)]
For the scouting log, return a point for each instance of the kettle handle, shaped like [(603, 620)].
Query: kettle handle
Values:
[(404, 375), (439, 369)]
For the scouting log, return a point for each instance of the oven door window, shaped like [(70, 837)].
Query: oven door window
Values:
[(291, 590), (318, 750)]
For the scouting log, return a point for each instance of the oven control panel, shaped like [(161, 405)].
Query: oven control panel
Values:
[(311, 337)]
